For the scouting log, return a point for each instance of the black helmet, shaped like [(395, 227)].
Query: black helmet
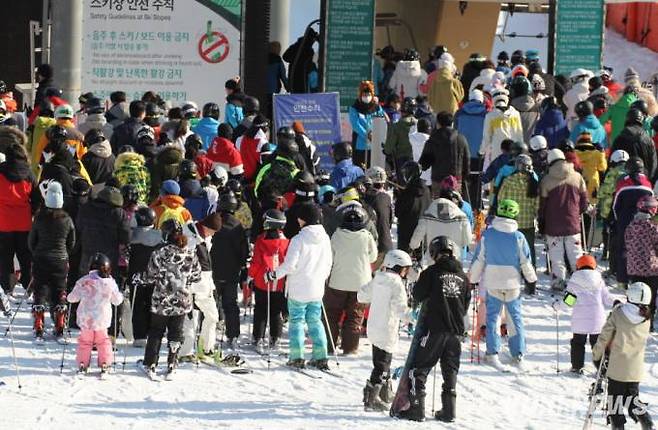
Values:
[(227, 202), (287, 148), (342, 151), (441, 246), (354, 218), (305, 184), (234, 186), (260, 122), (641, 105), (634, 165), (409, 105), (153, 113), (46, 108), (102, 264), (188, 169), (94, 105), (170, 227), (438, 51), (567, 145), (635, 117), (284, 133), (193, 141), (251, 105), (518, 57), (410, 171), (57, 133), (3, 87), (549, 102), (518, 148), (411, 55), (274, 219), (583, 109), (211, 110), (126, 148), (130, 193), (94, 136), (503, 56), (145, 216)]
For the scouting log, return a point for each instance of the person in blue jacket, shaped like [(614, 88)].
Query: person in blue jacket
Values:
[(551, 123), (361, 113), (345, 172), (206, 128), (233, 114), (587, 121), (469, 120)]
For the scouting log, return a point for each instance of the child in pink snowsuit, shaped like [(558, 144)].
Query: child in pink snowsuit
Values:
[(96, 292)]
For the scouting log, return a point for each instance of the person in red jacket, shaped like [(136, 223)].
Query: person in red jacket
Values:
[(250, 145), (193, 152), (19, 199), (224, 153), (269, 251)]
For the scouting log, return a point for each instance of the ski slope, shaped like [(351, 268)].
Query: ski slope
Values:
[(204, 397)]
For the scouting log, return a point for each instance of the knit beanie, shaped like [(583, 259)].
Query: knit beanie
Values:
[(310, 214), (631, 76), (111, 195), (54, 198)]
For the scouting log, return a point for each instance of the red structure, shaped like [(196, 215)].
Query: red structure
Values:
[(638, 22)]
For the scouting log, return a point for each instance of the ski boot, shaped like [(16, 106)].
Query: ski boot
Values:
[(38, 312), (83, 369), (261, 346), (645, 419), (297, 363), (321, 364), (59, 314), (372, 398), (274, 344), (449, 403), (105, 371), (416, 411), (387, 394)]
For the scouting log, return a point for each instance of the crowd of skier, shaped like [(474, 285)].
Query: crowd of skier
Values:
[(144, 219)]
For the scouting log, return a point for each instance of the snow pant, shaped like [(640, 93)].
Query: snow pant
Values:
[(14, 243), (578, 348), (173, 325), (87, 340), (49, 282), (620, 255), (652, 282), (612, 249), (399, 163), (277, 308), (311, 313), (529, 234), (624, 395), (516, 340), (381, 365), (557, 247), (228, 293), (441, 347), (337, 303), (205, 303), (141, 317)]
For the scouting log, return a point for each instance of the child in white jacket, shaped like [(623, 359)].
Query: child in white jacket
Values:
[(387, 296)]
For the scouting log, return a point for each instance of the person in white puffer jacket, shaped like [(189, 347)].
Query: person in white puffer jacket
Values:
[(409, 76), (503, 122)]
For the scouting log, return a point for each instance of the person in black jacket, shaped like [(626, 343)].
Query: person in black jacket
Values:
[(447, 153), (126, 133), (99, 160), (635, 140), (305, 190), (229, 253), (444, 292), (411, 203), (61, 165), (51, 240), (377, 198)]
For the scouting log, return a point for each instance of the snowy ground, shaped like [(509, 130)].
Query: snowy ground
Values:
[(210, 398), (619, 53)]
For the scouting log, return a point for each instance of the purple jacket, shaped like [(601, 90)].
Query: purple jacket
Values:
[(563, 197), (592, 295)]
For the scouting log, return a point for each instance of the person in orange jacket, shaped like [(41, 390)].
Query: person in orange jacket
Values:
[(170, 205)]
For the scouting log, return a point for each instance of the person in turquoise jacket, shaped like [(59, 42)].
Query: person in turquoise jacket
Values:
[(588, 122), (206, 128), (365, 108), (233, 114)]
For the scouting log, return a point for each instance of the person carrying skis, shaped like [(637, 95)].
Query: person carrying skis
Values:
[(625, 335), (412, 201), (96, 293), (387, 296), (500, 264)]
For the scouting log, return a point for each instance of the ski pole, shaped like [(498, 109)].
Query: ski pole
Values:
[(331, 336), (583, 233), (132, 312), (473, 325), (557, 339), (13, 350), (11, 321), (67, 331), (434, 391), (477, 312), (114, 347), (267, 324)]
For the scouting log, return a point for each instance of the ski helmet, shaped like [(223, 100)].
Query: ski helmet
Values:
[(411, 55), (326, 194), (64, 112), (93, 137), (169, 228), (376, 174), (274, 219), (189, 109), (251, 105), (287, 148), (639, 293), (227, 202), (57, 133), (354, 218), (508, 208), (619, 156), (586, 261), (101, 263), (322, 177), (305, 184), (342, 151), (634, 166), (145, 216), (647, 204), (641, 105), (211, 110), (567, 145), (410, 170), (94, 106), (583, 109), (219, 176), (284, 134), (409, 106), (442, 246), (538, 142), (397, 258), (518, 148), (234, 186), (523, 163), (188, 169), (193, 142), (130, 193)]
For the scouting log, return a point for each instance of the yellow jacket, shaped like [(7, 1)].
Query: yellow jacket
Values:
[(445, 92), (594, 163)]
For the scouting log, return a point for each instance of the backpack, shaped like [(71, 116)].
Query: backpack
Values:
[(171, 213), (278, 179)]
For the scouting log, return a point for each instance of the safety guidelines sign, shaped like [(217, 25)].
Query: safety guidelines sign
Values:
[(181, 49)]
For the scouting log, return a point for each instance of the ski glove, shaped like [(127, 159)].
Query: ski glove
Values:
[(270, 276)]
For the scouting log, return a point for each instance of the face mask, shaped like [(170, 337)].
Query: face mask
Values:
[(366, 99)]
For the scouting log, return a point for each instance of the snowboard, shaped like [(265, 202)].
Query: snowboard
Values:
[(401, 401)]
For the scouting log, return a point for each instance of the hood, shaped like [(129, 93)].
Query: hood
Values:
[(129, 159), (560, 169), (523, 103), (591, 122), (418, 138), (101, 149), (117, 112), (313, 234), (190, 188), (444, 209), (95, 120), (170, 155), (169, 201), (587, 279), (474, 108), (147, 236), (16, 172), (505, 225), (632, 313), (408, 68)]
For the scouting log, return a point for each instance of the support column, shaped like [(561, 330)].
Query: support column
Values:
[(66, 52), (280, 22)]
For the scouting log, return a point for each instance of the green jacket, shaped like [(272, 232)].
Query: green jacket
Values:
[(606, 191), (397, 139), (617, 115)]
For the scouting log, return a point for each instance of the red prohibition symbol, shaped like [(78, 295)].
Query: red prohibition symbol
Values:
[(215, 50)]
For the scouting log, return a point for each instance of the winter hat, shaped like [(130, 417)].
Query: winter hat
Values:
[(532, 55), (538, 83), (447, 61), (631, 76), (500, 97), (298, 127), (54, 198), (584, 137), (520, 70), (111, 196), (366, 87), (169, 187), (310, 214), (586, 261), (476, 95), (554, 155)]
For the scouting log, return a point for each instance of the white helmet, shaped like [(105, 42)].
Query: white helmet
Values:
[(538, 142), (554, 155), (220, 175), (397, 257), (376, 174), (639, 293), (619, 156), (580, 73)]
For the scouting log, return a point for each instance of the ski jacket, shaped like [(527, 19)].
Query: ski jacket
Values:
[(577, 93), (624, 205), (442, 218), (249, 148), (397, 142), (493, 169), (407, 79), (502, 258), (594, 165), (469, 121), (230, 250), (616, 114), (498, 126), (205, 165), (361, 118), (591, 125), (126, 134), (553, 127), (529, 114), (99, 162), (197, 201), (641, 240), (515, 187), (172, 202), (39, 127), (563, 197), (344, 174), (116, 114), (607, 189), (625, 334), (166, 166), (352, 253), (206, 128), (412, 201), (96, 121), (380, 202), (173, 271), (52, 237), (143, 242), (96, 296), (307, 264), (387, 297), (445, 289), (445, 92), (634, 140), (268, 255), (224, 153), (233, 115), (130, 168), (276, 178), (447, 153), (588, 314), (19, 196)]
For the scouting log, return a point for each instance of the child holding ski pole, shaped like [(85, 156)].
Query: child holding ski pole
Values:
[(96, 293), (387, 297)]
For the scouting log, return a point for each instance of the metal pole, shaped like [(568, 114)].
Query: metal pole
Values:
[(66, 51), (550, 61)]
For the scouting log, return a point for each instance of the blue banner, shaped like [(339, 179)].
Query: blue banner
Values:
[(319, 113)]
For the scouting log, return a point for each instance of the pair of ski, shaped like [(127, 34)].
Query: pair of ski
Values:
[(234, 361), (152, 375), (313, 373), (103, 376)]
